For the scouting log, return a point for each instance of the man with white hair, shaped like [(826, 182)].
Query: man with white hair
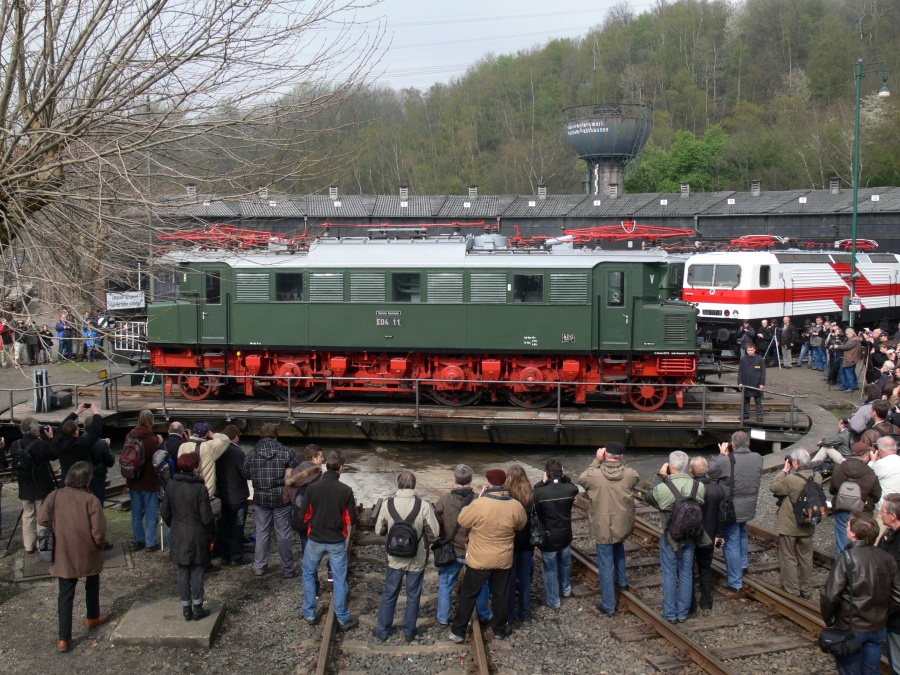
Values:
[(676, 556), (887, 469), (795, 542)]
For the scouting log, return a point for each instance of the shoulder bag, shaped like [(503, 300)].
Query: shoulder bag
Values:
[(443, 548), (538, 532), (728, 502), (837, 641), (47, 538)]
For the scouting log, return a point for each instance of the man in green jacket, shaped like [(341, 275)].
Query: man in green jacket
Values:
[(676, 556), (795, 542)]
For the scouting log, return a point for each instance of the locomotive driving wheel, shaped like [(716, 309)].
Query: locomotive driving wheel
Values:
[(531, 399), (196, 386), (454, 399), (647, 394), (301, 391)]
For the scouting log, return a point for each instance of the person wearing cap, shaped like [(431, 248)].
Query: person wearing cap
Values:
[(795, 542), (857, 470), (610, 484), (746, 335), (713, 525), (492, 521), (144, 490), (210, 447)]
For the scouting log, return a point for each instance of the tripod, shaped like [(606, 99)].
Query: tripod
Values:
[(774, 343)]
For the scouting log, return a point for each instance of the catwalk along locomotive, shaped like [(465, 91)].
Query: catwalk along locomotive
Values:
[(729, 287), (463, 318)]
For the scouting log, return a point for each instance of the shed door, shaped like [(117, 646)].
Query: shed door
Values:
[(213, 308), (614, 308)]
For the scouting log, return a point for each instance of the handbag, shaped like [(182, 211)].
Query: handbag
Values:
[(47, 538), (729, 514), (443, 548), (539, 536), (837, 641)]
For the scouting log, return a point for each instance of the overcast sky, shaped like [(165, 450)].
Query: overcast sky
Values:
[(436, 41)]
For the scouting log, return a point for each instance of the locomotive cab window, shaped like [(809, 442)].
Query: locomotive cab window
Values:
[(724, 276), (528, 288), (700, 275), (213, 288), (407, 287), (615, 289), (765, 276), (289, 286), (727, 276)]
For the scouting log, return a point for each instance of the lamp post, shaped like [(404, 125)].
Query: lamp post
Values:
[(861, 70)]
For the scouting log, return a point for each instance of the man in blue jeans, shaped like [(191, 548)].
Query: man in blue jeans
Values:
[(447, 510), (144, 489), (676, 556), (745, 477), (328, 508), (609, 484), (407, 507), (554, 497)]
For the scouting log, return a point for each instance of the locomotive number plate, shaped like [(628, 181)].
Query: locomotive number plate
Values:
[(385, 317), (568, 338)]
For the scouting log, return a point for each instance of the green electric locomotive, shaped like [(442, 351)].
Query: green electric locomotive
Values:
[(458, 318)]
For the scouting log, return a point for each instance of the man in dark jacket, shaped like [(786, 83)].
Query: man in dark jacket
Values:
[(752, 381), (871, 592), (177, 436), (328, 507), (851, 352), (854, 470), (713, 525), (836, 447), (31, 457), (447, 511), (746, 335), (890, 542), (231, 481), (554, 498), (787, 336), (764, 335), (72, 446), (747, 476), (880, 427), (144, 490), (266, 465)]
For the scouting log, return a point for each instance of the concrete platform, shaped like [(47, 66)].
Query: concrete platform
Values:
[(30, 568), (161, 624)]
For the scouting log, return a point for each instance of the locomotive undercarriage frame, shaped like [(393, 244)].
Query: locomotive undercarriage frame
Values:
[(645, 381)]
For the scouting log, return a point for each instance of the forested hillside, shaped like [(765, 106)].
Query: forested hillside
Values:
[(742, 90)]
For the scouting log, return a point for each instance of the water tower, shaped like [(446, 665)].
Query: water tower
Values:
[(607, 136)]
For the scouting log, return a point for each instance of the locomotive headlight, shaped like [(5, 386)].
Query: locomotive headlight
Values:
[(734, 313), (727, 312)]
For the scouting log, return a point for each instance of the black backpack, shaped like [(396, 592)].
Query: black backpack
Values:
[(810, 507), (22, 462), (687, 514), (402, 538)]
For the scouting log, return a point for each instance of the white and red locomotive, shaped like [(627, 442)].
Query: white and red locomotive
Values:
[(729, 287)]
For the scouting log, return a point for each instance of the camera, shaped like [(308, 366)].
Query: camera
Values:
[(45, 428)]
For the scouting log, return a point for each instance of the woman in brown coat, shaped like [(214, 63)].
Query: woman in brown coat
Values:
[(80, 528)]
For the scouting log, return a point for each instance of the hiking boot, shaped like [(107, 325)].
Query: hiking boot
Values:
[(352, 623), (200, 612), (187, 612), (456, 638)]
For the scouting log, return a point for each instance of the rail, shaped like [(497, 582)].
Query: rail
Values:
[(330, 623), (106, 382), (414, 386)]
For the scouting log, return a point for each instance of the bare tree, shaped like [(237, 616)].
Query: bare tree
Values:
[(105, 102)]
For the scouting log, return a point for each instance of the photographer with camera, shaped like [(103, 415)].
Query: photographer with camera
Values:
[(73, 446), (31, 457), (795, 542)]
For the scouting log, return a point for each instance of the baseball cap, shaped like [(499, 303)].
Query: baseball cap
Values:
[(201, 429)]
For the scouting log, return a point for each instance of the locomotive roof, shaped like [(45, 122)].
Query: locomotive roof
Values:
[(431, 252), (789, 256)]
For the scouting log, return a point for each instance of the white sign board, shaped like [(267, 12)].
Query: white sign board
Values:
[(130, 300)]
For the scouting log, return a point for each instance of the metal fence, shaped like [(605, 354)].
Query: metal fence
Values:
[(130, 336)]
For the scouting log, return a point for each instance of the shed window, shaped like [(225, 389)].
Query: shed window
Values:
[(407, 287), (289, 286), (213, 288)]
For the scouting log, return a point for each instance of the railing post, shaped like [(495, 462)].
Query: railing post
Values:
[(558, 404), (12, 418), (792, 412), (418, 421), (162, 380), (290, 406), (703, 407)]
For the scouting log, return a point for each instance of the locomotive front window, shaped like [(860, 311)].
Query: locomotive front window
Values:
[(615, 289), (407, 287), (700, 275), (289, 286), (528, 288), (213, 288), (727, 276)]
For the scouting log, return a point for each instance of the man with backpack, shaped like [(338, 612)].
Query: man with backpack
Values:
[(231, 481), (856, 488), (742, 485), (406, 520), (795, 539), (609, 483), (880, 426), (679, 499), (554, 498), (136, 465), (31, 457)]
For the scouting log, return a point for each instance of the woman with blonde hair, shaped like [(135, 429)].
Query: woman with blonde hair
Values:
[(523, 552)]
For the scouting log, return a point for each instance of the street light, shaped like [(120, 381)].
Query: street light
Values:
[(861, 70)]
